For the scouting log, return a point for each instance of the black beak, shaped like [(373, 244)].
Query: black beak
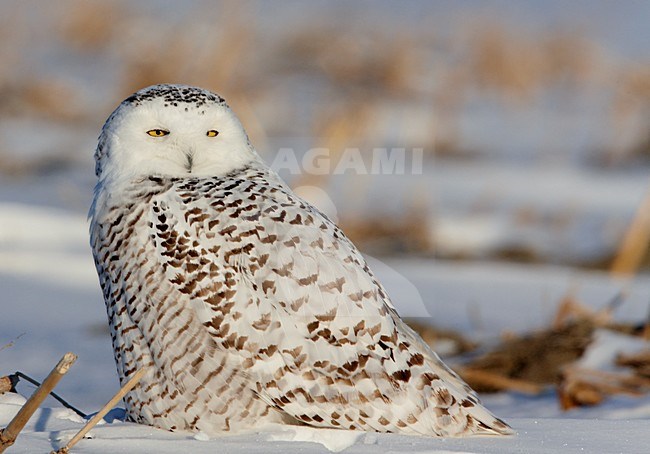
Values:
[(189, 161)]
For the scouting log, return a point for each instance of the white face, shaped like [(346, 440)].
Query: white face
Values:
[(172, 130)]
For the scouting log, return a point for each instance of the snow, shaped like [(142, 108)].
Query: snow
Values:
[(45, 243), (556, 213), (484, 299), (51, 428), (606, 346)]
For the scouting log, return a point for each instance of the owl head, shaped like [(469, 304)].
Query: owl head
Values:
[(172, 130)]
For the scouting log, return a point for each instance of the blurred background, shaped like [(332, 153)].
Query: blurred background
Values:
[(531, 121), (534, 117)]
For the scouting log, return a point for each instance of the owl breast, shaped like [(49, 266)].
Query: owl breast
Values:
[(191, 383)]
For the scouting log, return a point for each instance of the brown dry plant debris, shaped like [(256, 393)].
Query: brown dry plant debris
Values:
[(639, 362), (91, 25), (433, 336), (409, 233), (536, 358), (636, 242), (528, 363), (5, 384), (586, 387), (9, 434)]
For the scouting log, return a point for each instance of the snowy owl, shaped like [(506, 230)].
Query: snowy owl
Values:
[(245, 303)]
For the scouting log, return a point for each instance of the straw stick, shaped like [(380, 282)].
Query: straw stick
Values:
[(635, 242), (101, 413), (5, 384), (10, 433)]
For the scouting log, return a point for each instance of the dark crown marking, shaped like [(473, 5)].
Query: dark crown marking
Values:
[(175, 94)]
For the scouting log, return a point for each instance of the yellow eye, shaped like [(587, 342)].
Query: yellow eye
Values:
[(157, 132), (212, 133)]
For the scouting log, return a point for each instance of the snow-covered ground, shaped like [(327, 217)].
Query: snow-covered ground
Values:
[(51, 304), (52, 428)]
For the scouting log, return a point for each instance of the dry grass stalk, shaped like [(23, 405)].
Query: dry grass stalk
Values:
[(518, 66), (32, 96), (9, 434), (5, 384), (336, 129), (217, 57), (104, 410), (91, 25), (636, 241), (569, 56), (640, 362), (571, 309), (383, 235), (222, 66), (505, 62), (483, 379), (646, 332), (578, 394), (213, 60), (360, 58), (535, 358), (10, 344), (584, 387), (629, 113)]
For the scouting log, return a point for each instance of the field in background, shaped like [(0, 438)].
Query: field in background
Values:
[(467, 86)]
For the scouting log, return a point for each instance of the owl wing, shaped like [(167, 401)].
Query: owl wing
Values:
[(277, 283)]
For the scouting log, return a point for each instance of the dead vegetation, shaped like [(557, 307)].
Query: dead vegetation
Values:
[(444, 341), (635, 246), (9, 434), (629, 115), (519, 66), (8, 383), (353, 72), (92, 25), (224, 50), (550, 358), (535, 358)]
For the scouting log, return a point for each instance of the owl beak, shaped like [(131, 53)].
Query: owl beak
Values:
[(189, 161)]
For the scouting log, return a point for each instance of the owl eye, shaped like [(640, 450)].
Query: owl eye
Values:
[(212, 133), (157, 132)]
